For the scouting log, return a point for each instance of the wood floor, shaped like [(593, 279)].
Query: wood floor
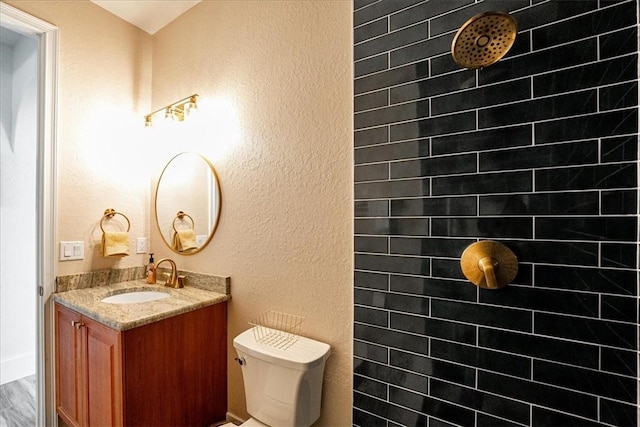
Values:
[(18, 403)]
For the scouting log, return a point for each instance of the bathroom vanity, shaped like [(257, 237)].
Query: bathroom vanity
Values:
[(158, 363)]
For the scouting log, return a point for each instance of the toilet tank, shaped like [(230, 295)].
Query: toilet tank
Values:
[(283, 386)]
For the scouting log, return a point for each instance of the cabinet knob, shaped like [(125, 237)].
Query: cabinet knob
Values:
[(76, 324)]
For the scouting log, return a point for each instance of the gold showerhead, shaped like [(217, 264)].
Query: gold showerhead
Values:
[(484, 39)]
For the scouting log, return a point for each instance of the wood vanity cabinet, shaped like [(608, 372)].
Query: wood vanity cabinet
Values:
[(172, 372)]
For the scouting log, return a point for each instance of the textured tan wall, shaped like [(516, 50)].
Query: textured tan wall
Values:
[(275, 84), (104, 89)]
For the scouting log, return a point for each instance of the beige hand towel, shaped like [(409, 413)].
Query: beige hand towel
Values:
[(115, 244), (184, 240)]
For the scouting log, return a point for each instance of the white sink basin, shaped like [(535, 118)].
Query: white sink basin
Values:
[(135, 297)]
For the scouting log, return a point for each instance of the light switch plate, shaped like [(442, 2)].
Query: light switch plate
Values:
[(71, 250)]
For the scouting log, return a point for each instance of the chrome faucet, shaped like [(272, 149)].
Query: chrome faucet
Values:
[(173, 281)]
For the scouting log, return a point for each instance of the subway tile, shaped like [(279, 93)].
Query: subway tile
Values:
[(477, 314), (446, 165), (386, 189), (587, 228), (570, 55), (457, 17), (437, 85), (540, 156), (549, 12), (371, 244), (586, 380), (433, 368), (424, 11), (391, 41), (433, 328), (619, 202), (623, 309), (392, 301), (619, 255), (395, 151), (569, 253), (484, 96), (457, 415), (495, 227), (480, 140), (495, 361), (434, 287), (389, 338), (372, 172), (485, 420), (573, 353), (447, 268), (576, 103), (359, 4), (392, 114), (619, 361), (591, 75), (370, 30), (371, 100), (391, 375), (396, 76), (597, 22), (363, 419), (505, 182), (539, 394), (477, 400), (420, 51), (547, 417), (460, 122), (370, 351), (548, 300), (435, 206), (393, 264), (388, 411), (393, 226), (618, 96), (371, 387), (369, 66), (618, 43), (600, 332), (621, 149), (618, 413), (605, 124), (371, 136), (428, 246), (363, 279), (434, 422), (371, 208), (602, 177), (602, 280), (379, 9), (569, 203)]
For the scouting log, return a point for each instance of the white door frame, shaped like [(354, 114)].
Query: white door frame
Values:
[(46, 193)]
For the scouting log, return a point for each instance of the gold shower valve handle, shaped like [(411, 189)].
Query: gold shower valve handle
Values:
[(489, 264)]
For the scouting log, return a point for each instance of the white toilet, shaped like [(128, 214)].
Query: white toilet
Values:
[(282, 386)]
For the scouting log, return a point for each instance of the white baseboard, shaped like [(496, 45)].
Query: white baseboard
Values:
[(17, 367)]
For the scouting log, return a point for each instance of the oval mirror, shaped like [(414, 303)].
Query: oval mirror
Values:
[(187, 203)]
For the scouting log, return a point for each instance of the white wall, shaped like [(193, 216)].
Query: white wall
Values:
[(17, 210)]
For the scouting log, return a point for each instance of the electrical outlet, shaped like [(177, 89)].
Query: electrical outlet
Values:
[(142, 245)]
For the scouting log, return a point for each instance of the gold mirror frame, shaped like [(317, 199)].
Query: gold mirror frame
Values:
[(179, 211)]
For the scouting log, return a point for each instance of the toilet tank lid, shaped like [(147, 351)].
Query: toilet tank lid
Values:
[(304, 354)]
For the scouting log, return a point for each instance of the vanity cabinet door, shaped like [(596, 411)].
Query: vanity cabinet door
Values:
[(88, 371), (69, 397)]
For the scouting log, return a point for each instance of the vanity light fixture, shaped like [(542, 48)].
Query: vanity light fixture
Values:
[(178, 110)]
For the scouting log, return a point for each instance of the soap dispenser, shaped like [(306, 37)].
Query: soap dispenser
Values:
[(151, 271)]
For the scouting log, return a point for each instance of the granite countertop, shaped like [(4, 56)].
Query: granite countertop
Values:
[(127, 316)]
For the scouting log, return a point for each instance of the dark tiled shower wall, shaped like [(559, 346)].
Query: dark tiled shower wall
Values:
[(539, 152)]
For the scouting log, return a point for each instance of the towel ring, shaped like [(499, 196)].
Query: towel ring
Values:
[(181, 215), (110, 213)]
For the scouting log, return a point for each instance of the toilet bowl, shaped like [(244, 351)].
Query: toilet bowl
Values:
[(283, 386)]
